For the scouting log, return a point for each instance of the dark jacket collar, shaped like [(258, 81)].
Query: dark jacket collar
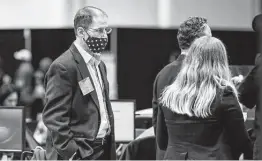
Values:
[(181, 57)]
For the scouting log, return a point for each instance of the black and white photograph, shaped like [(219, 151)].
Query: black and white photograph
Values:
[(130, 80)]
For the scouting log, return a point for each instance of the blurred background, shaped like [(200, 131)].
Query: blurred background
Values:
[(143, 38), (142, 42)]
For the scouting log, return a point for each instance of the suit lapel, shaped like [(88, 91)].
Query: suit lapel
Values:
[(81, 65)]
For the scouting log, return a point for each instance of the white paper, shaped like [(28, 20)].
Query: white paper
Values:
[(124, 120)]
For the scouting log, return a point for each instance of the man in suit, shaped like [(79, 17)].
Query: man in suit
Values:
[(250, 92), (77, 109), (189, 30)]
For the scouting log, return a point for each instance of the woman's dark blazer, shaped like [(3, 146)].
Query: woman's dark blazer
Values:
[(220, 136)]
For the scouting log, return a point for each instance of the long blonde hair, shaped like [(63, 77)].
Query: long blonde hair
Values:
[(204, 71)]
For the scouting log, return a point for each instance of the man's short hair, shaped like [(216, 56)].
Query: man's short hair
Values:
[(84, 17), (189, 30)]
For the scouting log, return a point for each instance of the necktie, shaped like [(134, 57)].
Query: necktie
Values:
[(94, 64)]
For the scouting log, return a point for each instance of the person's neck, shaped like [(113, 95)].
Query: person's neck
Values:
[(184, 52), (82, 44)]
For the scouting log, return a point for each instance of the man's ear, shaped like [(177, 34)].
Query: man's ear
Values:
[(80, 32)]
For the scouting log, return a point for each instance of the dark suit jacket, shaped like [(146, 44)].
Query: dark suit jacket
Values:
[(73, 119), (140, 149), (186, 137), (164, 78), (250, 92)]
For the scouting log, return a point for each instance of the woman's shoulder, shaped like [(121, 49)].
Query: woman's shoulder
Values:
[(226, 91), (225, 98)]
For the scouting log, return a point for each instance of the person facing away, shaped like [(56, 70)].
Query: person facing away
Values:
[(201, 106), (77, 110), (189, 30)]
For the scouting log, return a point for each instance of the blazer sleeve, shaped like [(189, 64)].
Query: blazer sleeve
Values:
[(155, 105), (161, 130), (248, 88), (56, 113), (232, 119)]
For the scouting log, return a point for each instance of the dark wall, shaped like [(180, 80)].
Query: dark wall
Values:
[(45, 43), (241, 46), (10, 42), (142, 53), (50, 43)]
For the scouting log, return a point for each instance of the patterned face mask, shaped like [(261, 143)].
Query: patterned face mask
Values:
[(96, 45)]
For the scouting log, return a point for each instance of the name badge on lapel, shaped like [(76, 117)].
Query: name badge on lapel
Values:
[(86, 86)]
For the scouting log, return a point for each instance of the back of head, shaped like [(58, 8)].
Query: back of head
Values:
[(257, 23), (205, 70), (189, 30), (208, 55)]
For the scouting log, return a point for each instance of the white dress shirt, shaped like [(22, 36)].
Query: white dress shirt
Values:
[(92, 65)]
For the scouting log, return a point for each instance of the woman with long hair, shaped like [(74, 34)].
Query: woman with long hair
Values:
[(200, 116)]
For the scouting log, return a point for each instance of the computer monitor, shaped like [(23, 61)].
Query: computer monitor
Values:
[(124, 118), (12, 129)]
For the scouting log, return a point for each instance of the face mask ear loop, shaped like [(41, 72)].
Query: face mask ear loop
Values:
[(87, 39), (87, 35)]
